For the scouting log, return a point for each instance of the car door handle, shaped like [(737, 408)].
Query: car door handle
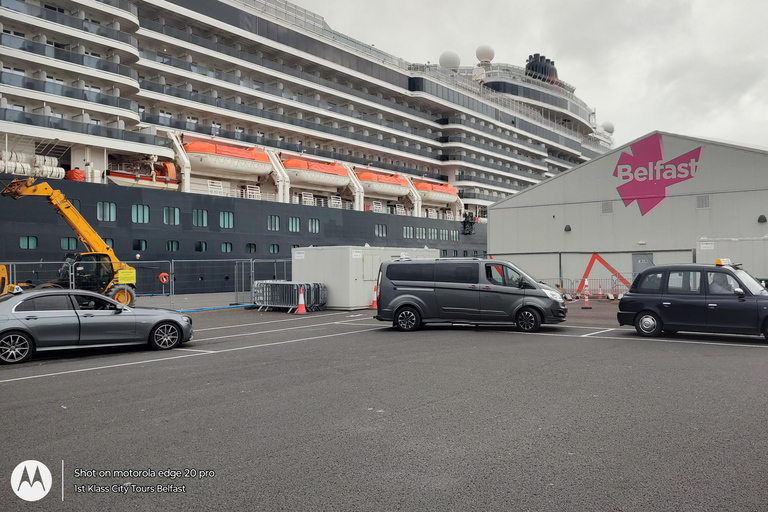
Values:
[(666, 304), (30, 318), (88, 315), (472, 287), (486, 288), (711, 306)]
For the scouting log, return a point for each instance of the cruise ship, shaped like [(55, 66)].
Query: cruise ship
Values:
[(241, 129)]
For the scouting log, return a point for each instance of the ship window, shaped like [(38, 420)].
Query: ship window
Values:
[(200, 218), (274, 249), (407, 231), (444, 253), (294, 224), (69, 243), (250, 248), (28, 242), (227, 220), (380, 230), (226, 246), (139, 245), (475, 254), (201, 246), (273, 222), (106, 211), (314, 225), (172, 245), (433, 233), (140, 213), (171, 216), (443, 234), (455, 253), (110, 242), (421, 233), (455, 235)]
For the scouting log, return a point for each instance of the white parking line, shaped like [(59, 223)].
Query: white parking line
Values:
[(655, 340), (267, 332), (196, 354), (196, 350), (593, 333)]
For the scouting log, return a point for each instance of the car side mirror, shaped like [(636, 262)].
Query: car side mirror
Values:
[(119, 308), (739, 292)]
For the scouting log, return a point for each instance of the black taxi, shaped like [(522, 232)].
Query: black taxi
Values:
[(720, 298)]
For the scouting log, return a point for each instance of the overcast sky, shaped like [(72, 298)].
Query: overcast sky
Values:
[(696, 68)]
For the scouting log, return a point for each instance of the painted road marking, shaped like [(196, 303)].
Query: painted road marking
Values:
[(593, 333), (196, 354)]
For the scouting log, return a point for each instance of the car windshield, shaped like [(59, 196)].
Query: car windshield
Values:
[(750, 282)]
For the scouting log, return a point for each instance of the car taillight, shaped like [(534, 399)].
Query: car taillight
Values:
[(378, 288)]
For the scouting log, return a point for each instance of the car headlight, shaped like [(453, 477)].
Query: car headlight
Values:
[(187, 319), (554, 295)]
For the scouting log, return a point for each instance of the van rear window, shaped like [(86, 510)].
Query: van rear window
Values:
[(456, 273), (411, 272)]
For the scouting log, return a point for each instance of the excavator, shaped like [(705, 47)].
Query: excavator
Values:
[(97, 270)]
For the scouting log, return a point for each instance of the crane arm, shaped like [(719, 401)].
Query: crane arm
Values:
[(84, 231)]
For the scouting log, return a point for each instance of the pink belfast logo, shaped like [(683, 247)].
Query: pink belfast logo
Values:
[(646, 174)]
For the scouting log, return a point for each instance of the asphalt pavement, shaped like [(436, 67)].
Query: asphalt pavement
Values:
[(336, 411)]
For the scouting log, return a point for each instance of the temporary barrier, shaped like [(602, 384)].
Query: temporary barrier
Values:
[(285, 295)]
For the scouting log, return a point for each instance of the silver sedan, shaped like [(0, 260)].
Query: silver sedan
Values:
[(50, 319)]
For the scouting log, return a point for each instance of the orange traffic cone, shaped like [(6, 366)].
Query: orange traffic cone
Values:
[(599, 291), (374, 304), (301, 310), (586, 295)]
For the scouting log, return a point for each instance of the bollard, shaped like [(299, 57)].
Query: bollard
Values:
[(374, 304)]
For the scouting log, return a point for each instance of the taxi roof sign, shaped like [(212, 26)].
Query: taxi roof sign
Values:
[(723, 261)]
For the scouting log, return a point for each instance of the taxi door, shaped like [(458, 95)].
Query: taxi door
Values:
[(727, 311), (683, 303)]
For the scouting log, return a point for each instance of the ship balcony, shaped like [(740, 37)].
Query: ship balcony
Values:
[(259, 90), (496, 150), (482, 165), (40, 54), (54, 93), (49, 21), (300, 78), (463, 180), (535, 147), (41, 126), (123, 11)]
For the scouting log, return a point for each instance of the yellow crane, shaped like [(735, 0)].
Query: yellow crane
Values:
[(98, 269)]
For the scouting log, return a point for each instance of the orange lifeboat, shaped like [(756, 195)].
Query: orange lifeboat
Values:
[(163, 176), (383, 185), (227, 161), (437, 194), (305, 172)]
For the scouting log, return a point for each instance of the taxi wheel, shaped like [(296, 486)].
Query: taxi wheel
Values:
[(15, 347), (648, 323), (527, 320), (407, 319)]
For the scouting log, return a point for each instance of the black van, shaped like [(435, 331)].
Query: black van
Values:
[(464, 290)]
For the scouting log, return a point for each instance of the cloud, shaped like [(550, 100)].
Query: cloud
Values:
[(693, 67)]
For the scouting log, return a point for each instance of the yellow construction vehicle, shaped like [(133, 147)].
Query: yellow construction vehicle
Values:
[(97, 270)]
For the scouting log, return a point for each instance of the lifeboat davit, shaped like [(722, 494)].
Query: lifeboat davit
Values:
[(383, 185), (163, 177), (437, 194), (227, 161), (316, 174)]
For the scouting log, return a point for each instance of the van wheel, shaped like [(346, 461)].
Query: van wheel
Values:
[(648, 324), (527, 320), (407, 319)]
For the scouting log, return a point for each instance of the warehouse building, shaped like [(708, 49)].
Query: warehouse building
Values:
[(663, 198)]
